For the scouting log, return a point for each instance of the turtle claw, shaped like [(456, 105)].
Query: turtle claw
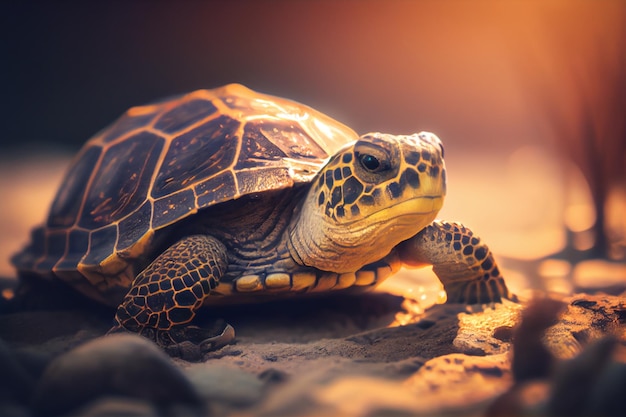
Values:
[(219, 341), (191, 349), (186, 342)]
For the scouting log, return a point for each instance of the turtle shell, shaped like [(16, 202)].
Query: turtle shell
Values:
[(162, 162)]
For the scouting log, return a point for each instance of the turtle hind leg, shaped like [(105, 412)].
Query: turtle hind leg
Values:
[(165, 296), (466, 267)]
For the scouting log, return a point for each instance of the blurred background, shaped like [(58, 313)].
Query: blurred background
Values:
[(528, 96)]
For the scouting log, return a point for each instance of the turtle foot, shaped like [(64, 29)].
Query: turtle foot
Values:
[(187, 342), (196, 341)]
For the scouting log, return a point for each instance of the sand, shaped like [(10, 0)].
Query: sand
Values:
[(397, 351)]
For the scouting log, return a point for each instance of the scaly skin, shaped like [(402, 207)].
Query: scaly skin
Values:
[(463, 263), (165, 296)]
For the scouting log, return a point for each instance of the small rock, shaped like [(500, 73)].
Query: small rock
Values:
[(585, 319), (273, 376), (478, 334), (124, 365)]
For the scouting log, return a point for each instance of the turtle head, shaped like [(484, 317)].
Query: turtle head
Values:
[(370, 196)]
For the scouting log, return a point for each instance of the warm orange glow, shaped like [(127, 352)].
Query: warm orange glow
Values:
[(584, 240), (8, 293), (579, 213), (599, 274), (579, 217), (616, 221), (556, 276), (395, 65)]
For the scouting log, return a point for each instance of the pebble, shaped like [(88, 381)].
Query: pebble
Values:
[(480, 332), (125, 365)]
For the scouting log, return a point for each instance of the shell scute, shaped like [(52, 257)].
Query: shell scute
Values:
[(101, 244), (56, 241), (216, 189), (122, 180), (257, 149), (295, 142), (71, 194), (185, 115), (197, 155), (271, 179), (171, 208), (77, 241), (135, 118), (133, 227)]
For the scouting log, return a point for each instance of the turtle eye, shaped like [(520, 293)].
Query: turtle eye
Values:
[(372, 163)]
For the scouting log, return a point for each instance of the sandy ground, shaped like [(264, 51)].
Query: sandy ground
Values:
[(394, 351)]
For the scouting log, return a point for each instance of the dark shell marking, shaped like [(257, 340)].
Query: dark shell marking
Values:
[(160, 163)]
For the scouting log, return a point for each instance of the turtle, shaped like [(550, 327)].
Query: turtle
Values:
[(228, 195)]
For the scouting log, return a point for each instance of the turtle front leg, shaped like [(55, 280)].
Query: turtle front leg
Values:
[(165, 296), (465, 265)]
